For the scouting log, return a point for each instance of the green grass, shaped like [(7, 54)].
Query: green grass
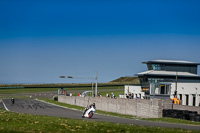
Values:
[(132, 80), (26, 90), (20, 123), (35, 90), (164, 119), (16, 97), (172, 120)]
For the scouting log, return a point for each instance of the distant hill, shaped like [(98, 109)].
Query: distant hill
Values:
[(132, 80)]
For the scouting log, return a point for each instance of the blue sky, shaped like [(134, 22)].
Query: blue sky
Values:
[(41, 40)]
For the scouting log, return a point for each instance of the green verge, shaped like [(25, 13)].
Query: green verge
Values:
[(164, 119), (37, 90), (23, 123)]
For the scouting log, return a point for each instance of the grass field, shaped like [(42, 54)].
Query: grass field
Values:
[(20, 123), (70, 88)]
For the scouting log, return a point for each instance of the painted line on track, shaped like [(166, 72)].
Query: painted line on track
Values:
[(5, 106), (58, 105)]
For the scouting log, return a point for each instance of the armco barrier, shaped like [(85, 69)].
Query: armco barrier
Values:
[(137, 107)]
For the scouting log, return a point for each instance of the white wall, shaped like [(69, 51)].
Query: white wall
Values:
[(133, 89), (186, 88), (190, 89)]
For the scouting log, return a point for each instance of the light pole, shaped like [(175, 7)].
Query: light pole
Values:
[(95, 78), (175, 92)]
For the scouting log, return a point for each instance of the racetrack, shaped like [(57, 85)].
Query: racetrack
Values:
[(32, 106)]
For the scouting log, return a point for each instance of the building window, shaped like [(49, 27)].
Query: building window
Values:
[(160, 89), (155, 80), (157, 67), (167, 89)]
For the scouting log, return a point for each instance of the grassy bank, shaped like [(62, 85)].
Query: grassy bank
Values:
[(15, 122)]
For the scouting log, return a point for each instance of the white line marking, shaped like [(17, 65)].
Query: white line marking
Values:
[(5, 106), (57, 105)]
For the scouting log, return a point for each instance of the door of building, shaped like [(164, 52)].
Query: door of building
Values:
[(162, 89)]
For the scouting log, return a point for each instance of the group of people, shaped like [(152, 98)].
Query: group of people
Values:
[(176, 100), (83, 95), (130, 96), (110, 96)]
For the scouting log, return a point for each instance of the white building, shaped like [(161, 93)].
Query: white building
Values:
[(166, 79), (187, 93), (136, 90)]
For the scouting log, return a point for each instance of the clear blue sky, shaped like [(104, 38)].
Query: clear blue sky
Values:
[(41, 40)]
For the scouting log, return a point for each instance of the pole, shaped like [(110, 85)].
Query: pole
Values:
[(175, 93), (96, 83), (128, 90), (92, 89)]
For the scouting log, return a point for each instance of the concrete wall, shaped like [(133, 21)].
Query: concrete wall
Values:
[(184, 107), (137, 107), (167, 104)]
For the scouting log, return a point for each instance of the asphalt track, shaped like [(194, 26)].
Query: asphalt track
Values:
[(31, 106)]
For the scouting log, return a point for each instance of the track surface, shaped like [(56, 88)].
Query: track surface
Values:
[(32, 106)]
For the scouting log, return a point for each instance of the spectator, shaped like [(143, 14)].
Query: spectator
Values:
[(132, 95), (99, 95), (107, 95), (127, 96), (113, 95)]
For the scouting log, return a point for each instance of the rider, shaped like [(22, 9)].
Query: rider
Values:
[(90, 106), (13, 100)]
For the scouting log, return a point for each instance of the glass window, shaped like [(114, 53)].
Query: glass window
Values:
[(157, 67), (167, 89)]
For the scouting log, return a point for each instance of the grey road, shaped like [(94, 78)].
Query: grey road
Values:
[(32, 106)]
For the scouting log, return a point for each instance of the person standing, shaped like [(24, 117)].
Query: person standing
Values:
[(107, 95)]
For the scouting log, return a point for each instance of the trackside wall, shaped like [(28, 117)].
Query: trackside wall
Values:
[(137, 107)]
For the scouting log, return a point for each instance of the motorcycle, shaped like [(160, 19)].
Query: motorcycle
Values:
[(89, 112), (13, 100)]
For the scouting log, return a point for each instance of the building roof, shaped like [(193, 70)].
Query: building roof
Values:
[(172, 62), (167, 73)]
